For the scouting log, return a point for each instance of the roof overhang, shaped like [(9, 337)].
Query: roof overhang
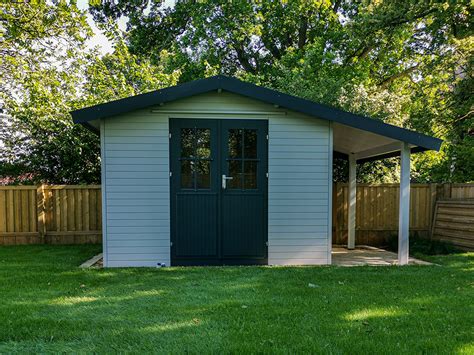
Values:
[(367, 138), (366, 146)]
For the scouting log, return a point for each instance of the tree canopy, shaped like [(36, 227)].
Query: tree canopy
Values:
[(408, 63), (50, 71)]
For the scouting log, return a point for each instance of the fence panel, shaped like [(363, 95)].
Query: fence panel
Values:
[(18, 216), (454, 223), (462, 191), (377, 212), (71, 214), (63, 214)]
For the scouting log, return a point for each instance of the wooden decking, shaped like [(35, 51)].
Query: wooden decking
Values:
[(368, 256)]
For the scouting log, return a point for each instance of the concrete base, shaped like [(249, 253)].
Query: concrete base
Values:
[(365, 255), (341, 256), (92, 262)]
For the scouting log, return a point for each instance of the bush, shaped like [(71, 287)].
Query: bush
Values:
[(424, 246)]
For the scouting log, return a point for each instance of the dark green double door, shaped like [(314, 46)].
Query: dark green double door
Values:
[(218, 191)]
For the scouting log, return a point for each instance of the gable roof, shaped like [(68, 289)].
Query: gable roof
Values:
[(270, 96)]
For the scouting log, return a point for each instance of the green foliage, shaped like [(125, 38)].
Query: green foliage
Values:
[(41, 73), (122, 74), (406, 62), (51, 72), (420, 247)]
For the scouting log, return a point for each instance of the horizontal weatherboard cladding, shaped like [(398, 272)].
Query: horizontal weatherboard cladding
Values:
[(298, 199), (125, 244), (137, 190)]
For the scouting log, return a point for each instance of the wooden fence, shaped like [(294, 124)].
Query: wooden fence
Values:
[(454, 223), (50, 214), (377, 212), (72, 214)]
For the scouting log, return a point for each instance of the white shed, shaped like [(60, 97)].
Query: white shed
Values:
[(222, 172)]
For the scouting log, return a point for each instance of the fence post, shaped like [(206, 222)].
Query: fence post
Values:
[(41, 212), (339, 212), (447, 191), (334, 213), (433, 198)]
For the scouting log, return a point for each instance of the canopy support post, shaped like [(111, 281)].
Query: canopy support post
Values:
[(352, 202), (404, 210)]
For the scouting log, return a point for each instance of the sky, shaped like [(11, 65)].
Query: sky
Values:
[(99, 39)]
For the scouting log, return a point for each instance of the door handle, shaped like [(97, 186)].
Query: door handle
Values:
[(224, 181)]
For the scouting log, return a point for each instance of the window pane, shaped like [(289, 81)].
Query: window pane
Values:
[(250, 175), (235, 171), (203, 174), (250, 142), (187, 174), (235, 143), (187, 142), (203, 143)]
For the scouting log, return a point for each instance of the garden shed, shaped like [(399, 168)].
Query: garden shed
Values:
[(222, 172)]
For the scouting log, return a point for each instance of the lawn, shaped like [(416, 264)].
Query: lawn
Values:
[(48, 304)]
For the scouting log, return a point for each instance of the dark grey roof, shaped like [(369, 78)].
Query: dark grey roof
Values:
[(239, 87)]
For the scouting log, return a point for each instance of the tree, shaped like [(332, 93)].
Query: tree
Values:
[(392, 60), (122, 74), (41, 141), (42, 55), (405, 62)]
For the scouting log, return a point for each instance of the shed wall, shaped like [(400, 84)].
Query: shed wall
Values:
[(136, 179), (136, 190)]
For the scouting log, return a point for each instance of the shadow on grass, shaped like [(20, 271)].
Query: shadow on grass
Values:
[(54, 306)]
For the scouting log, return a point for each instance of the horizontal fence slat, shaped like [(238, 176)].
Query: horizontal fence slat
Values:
[(454, 222)]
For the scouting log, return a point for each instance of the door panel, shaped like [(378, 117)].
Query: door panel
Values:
[(198, 236), (218, 191), (243, 227), (244, 202), (194, 191)]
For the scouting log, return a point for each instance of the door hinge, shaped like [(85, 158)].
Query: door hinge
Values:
[(170, 135), (267, 137), (266, 175), (171, 173), (171, 244)]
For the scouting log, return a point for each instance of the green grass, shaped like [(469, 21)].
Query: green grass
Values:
[(48, 304)]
